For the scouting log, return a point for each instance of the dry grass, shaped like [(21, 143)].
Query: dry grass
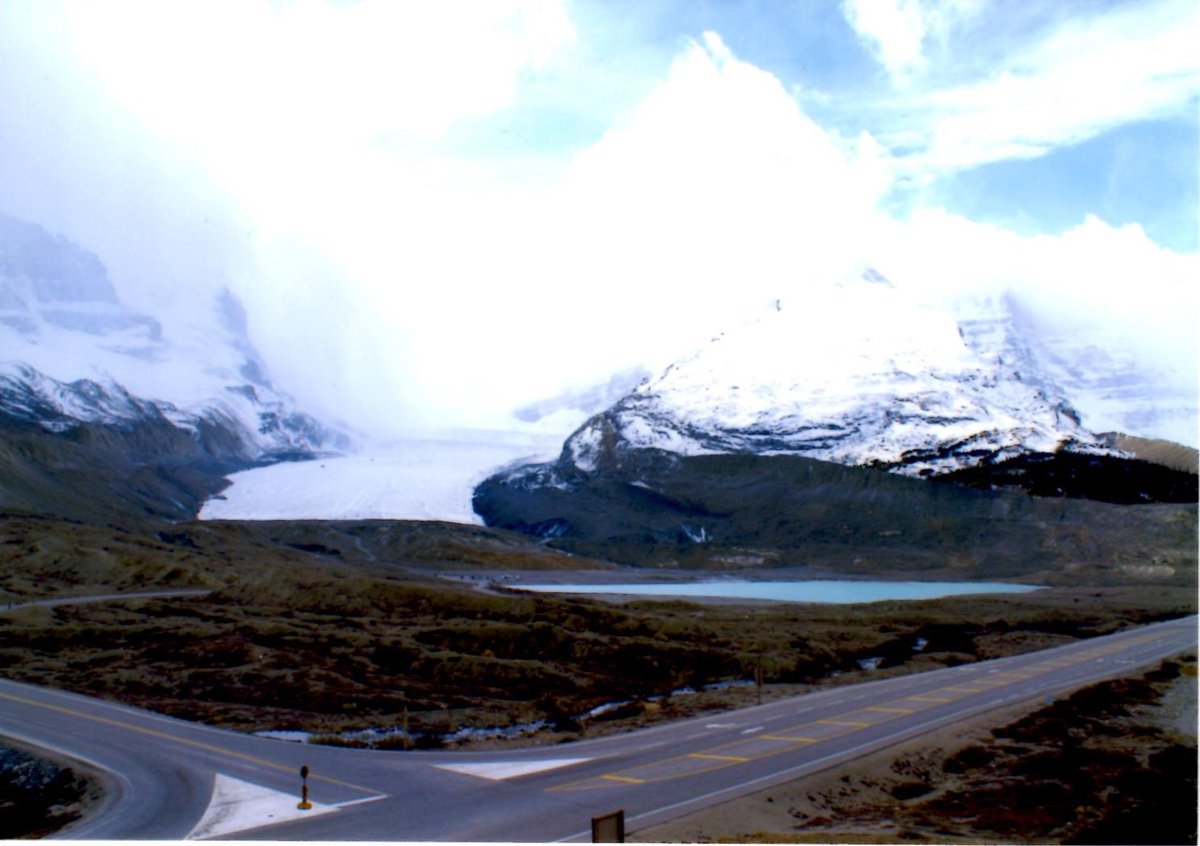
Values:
[(1105, 765), (301, 639)]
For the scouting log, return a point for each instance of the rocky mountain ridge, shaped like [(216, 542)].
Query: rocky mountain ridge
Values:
[(92, 389), (859, 375), (859, 430)]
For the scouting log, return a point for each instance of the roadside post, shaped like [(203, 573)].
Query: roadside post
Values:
[(304, 805), (609, 828)]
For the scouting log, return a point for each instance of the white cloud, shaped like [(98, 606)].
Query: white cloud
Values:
[(310, 73), (404, 281), (899, 33), (894, 31), (1096, 285), (319, 123), (1084, 76), (716, 195), (476, 292), (278, 99)]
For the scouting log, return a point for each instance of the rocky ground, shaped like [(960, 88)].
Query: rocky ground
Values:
[(1113, 763), (39, 797)]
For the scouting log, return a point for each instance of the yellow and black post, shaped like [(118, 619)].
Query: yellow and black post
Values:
[(304, 805)]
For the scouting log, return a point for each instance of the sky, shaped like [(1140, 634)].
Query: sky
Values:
[(437, 212)]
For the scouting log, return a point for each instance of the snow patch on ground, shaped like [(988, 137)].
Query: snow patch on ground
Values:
[(426, 477), (500, 770)]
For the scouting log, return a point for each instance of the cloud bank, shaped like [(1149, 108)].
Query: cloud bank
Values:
[(425, 231)]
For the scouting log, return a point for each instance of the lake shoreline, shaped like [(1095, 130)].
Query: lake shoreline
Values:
[(796, 584)]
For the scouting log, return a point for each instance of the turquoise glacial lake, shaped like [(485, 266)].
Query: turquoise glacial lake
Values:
[(836, 592)]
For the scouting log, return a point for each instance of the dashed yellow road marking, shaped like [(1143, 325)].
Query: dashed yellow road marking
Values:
[(655, 772), (734, 758)]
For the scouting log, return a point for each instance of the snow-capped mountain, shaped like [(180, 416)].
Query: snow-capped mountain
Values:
[(858, 374), (797, 439), (73, 353), (1113, 388)]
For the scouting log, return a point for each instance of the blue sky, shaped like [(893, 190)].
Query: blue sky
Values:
[(576, 187)]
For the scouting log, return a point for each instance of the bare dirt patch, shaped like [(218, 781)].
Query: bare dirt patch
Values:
[(1113, 763)]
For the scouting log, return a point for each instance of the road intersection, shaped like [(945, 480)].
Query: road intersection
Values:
[(172, 779)]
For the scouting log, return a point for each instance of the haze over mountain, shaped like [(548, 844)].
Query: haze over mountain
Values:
[(859, 375), (477, 217), (859, 371), (786, 440), (74, 353), (434, 216)]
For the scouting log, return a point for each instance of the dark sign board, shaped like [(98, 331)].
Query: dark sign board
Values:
[(609, 828)]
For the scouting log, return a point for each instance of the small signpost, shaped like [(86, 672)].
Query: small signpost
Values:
[(304, 805), (609, 828)]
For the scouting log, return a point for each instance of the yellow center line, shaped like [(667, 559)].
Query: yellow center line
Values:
[(624, 779), (196, 744), (734, 758), (788, 739), (889, 710), (844, 723), (926, 699), (964, 689)]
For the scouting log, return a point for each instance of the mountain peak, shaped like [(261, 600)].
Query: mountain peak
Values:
[(77, 354), (857, 373)]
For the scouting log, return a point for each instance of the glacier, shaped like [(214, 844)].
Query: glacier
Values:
[(429, 476)]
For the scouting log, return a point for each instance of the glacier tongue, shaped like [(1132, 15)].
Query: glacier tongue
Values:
[(858, 374)]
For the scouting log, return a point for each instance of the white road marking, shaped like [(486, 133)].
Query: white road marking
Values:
[(752, 730), (509, 769), (238, 805), (721, 725), (655, 745)]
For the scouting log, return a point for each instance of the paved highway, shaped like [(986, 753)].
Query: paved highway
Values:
[(172, 779)]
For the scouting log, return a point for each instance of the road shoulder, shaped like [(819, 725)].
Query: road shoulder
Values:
[(1102, 761)]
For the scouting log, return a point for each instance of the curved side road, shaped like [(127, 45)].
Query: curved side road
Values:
[(170, 775), (180, 593)]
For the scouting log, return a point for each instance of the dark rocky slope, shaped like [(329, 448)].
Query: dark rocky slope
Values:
[(98, 472), (652, 507)]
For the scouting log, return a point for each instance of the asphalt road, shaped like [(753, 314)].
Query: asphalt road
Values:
[(169, 776)]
